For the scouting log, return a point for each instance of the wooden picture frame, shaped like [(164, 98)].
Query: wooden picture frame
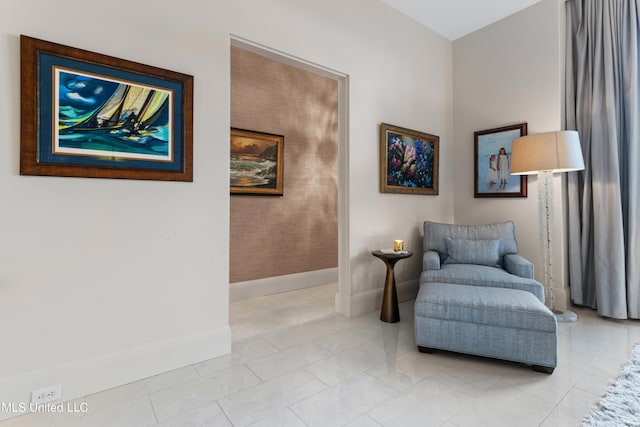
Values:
[(408, 161), (84, 114), (256, 163), (492, 163)]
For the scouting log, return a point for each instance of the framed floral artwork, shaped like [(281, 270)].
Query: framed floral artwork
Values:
[(408, 161)]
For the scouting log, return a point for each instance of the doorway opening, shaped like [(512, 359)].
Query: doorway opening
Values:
[(289, 253)]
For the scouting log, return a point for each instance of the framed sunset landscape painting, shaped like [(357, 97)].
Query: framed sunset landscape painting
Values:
[(256, 163)]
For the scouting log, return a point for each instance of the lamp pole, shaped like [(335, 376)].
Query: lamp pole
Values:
[(543, 154), (545, 197)]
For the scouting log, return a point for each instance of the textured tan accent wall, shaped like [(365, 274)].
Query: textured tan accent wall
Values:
[(270, 235)]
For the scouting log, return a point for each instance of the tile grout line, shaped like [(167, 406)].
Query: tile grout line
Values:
[(153, 409), (299, 368), (254, 373), (223, 412), (301, 420), (327, 386)]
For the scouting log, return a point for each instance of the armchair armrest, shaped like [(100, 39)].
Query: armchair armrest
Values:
[(515, 264), (430, 261)]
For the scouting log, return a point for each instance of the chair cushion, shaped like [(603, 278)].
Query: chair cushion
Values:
[(482, 252), (435, 235), (480, 305), (481, 275)]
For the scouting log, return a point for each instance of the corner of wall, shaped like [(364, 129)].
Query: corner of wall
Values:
[(367, 301)]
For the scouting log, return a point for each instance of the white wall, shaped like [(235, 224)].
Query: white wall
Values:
[(507, 73), (105, 281)]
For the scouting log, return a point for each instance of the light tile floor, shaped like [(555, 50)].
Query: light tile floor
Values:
[(296, 363)]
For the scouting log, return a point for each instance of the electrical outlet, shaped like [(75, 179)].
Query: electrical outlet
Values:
[(44, 395)]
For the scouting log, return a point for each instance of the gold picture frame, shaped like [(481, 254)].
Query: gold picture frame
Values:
[(408, 161), (256, 163)]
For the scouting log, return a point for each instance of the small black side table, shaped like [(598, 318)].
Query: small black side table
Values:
[(390, 312)]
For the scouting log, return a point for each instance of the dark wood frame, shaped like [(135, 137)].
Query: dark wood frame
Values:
[(30, 164), (434, 140), (279, 140), (523, 178)]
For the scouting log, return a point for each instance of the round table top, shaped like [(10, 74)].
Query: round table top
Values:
[(392, 255)]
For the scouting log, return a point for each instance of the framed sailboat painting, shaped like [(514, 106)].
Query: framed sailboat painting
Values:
[(90, 115)]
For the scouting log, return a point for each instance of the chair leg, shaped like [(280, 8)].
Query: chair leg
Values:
[(426, 350), (543, 369)]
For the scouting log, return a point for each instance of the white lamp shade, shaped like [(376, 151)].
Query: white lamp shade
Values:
[(549, 151)]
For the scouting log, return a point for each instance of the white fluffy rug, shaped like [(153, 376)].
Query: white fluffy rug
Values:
[(621, 405)]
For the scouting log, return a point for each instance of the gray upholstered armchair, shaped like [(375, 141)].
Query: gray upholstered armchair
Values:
[(477, 296), (479, 255)]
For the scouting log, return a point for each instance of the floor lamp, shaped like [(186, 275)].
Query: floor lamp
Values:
[(544, 154)]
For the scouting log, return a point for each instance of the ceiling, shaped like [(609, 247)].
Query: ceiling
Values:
[(456, 18)]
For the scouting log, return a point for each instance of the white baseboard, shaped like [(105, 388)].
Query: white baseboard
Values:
[(365, 302), (103, 372), (342, 304), (275, 285)]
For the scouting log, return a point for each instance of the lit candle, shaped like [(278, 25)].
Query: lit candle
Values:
[(398, 245)]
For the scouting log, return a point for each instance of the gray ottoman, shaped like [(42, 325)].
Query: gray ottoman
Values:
[(508, 324)]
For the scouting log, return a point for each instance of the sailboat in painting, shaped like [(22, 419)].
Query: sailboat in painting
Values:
[(124, 111), (127, 118)]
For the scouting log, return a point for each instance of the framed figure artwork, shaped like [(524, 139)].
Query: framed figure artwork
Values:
[(492, 163)]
